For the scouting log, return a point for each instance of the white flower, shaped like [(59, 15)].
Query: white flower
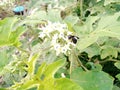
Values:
[(54, 39), (63, 75), (58, 34), (62, 36), (59, 27), (65, 48), (42, 35), (57, 48)]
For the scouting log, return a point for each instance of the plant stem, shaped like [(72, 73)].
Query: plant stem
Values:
[(82, 66), (112, 60), (23, 50), (81, 8), (77, 62), (80, 63)]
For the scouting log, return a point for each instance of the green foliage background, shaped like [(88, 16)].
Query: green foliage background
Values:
[(28, 63)]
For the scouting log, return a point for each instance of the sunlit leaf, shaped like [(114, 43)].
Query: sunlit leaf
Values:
[(118, 76), (8, 34), (117, 64)]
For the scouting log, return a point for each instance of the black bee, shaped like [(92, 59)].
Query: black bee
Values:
[(73, 38)]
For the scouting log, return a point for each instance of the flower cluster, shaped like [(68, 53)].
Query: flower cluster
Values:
[(58, 34)]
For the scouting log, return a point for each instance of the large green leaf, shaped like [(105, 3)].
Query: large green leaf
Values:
[(87, 41), (87, 27), (106, 25), (66, 84), (106, 21), (52, 68), (92, 80), (50, 83), (71, 19), (51, 15), (8, 34), (44, 79), (6, 26)]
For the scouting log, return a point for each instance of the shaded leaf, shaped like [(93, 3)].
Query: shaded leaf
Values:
[(108, 51), (93, 50), (92, 80), (115, 88)]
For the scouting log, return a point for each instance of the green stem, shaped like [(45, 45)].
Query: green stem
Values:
[(46, 48), (80, 63), (23, 50), (112, 60), (74, 60), (81, 8)]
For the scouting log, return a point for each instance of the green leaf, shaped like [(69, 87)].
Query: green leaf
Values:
[(31, 64), (52, 68), (3, 59), (41, 69), (66, 84), (115, 88), (87, 41), (107, 21), (108, 51), (117, 64), (118, 76), (72, 20), (3, 89), (87, 27), (70, 27), (8, 34), (93, 50), (111, 1), (93, 37), (6, 26), (28, 84), (107, 25), (54, 15), (92, 80), (47, 82)]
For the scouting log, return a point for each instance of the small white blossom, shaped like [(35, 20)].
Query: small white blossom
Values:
[(54, 39), (63, 75), (58, 34), (57, 48), (60, 27), (42, 35)]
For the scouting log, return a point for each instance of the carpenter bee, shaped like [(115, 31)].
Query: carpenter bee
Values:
[(73, 38)]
